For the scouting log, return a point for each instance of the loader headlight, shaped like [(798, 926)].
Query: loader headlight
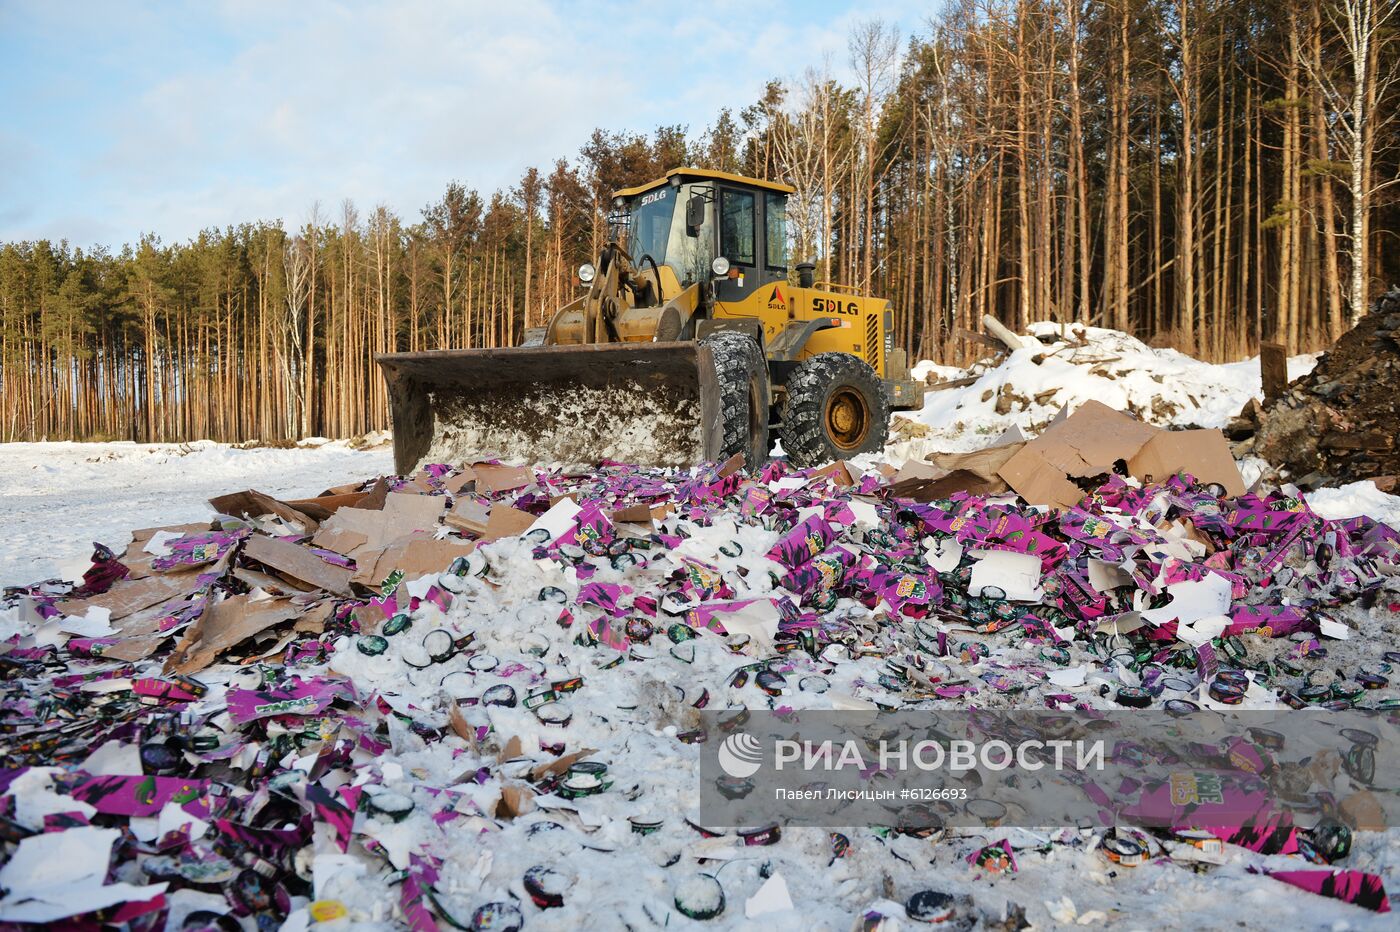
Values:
[(586, 272), (720, 266)]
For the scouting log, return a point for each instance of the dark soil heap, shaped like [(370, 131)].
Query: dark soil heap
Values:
[(1338, 423)]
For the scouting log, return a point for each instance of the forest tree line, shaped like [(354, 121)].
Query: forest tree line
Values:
[(1201, 173)]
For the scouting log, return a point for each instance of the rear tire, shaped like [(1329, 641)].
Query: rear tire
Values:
[(835, 408), (744, 398)]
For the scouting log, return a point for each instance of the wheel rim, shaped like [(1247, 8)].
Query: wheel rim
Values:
[(847, 418)]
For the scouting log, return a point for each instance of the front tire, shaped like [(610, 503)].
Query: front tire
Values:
[(835, 408), (744, 397)]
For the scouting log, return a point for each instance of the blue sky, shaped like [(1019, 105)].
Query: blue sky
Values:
[(122, 118)]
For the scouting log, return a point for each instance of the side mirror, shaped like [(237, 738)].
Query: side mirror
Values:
[(694, 214)]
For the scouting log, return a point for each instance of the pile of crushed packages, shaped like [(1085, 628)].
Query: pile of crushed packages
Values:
[(467, 698)]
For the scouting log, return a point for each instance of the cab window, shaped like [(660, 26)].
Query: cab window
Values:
[(651, 224), (736, 227), (775, 222)]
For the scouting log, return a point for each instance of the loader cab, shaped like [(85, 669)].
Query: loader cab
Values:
[(692, 217)]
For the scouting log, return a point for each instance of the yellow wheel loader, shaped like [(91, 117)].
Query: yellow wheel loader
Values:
[(689, 343)]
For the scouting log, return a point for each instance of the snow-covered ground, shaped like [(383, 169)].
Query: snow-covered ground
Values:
[(56, 499)]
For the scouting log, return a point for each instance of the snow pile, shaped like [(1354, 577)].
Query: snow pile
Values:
[(1071, 365), (1356, 498)]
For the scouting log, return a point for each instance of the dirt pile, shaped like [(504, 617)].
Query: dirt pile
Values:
[(1338, 423)]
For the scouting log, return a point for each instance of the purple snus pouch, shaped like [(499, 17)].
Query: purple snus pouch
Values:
[(1356, 887), (701, 581), (996, 858), (839, 513), (416, 892), (1208, 799), (1274, 834), (333, 812), (803, 542), (907, 593), (1175, 571), (105, 570), (1256, 520), (594, 526), (711, 615), (1070, 591), (607, 597), (1268, 620), (168, 690), (136, 797), (298, 697), (198, 549), (1207, 662), (757, 500), (825, 572), (610, 631)]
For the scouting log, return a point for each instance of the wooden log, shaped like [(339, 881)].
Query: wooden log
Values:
[(954, 383), (998, 330), (1273, 370), (976, 337), (1371, 440)]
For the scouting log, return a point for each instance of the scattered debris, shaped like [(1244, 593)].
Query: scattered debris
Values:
[(462, 698)]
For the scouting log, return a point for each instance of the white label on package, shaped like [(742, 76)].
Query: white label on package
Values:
[(1016, 574)]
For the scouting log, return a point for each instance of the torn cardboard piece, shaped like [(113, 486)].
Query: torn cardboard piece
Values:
[(1092, 440), (126, 597), (982, 463), (251, 503), (632, 514), (468, 515), (959, 480), (224, 626), (299, 563), (491, 478), (341, 540), (455, 484), (276, 585), (839, 472), (516, 800), (1202, 453), (417, 556), (402, 514), (138, 561), (328, 503), (505, 521), (945, 474)]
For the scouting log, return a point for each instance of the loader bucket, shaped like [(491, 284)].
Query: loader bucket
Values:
[(653, 404)]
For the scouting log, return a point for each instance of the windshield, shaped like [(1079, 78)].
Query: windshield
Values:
[(657, 229), (651, 224)]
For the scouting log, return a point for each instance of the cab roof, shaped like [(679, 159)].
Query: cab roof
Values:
[(689, 173)]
